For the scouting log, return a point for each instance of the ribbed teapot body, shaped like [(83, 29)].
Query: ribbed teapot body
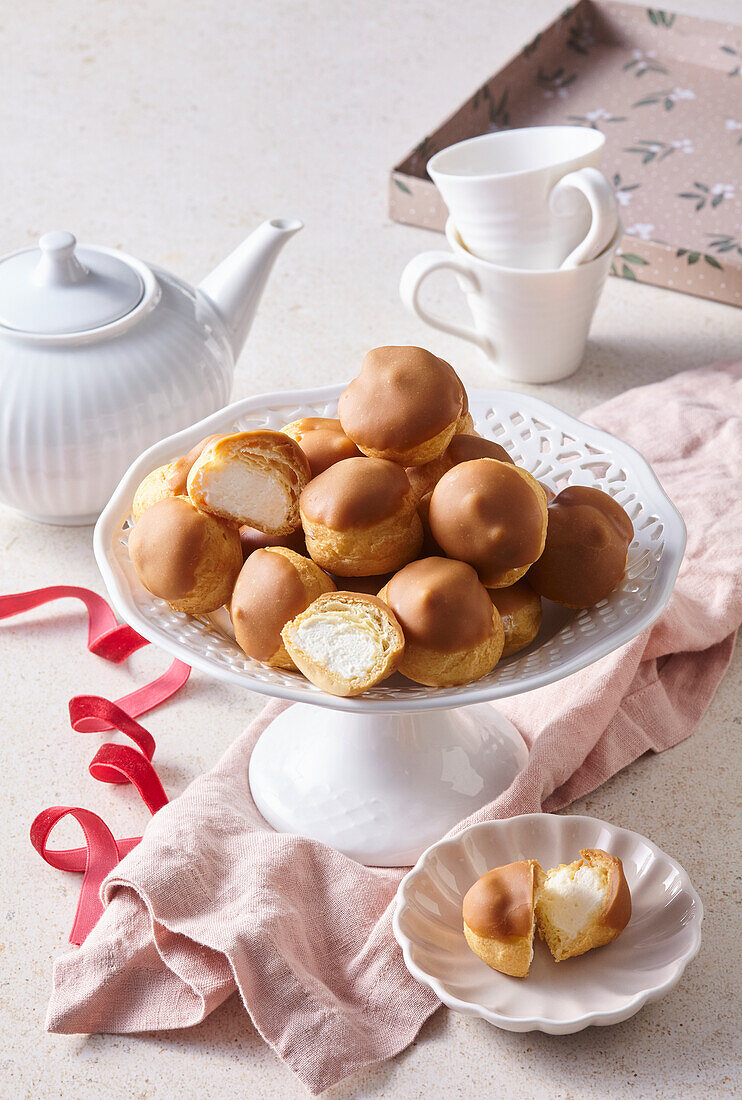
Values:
[(74, 415)]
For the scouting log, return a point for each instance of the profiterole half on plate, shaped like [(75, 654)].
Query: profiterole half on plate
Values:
[(575, 908), (392, 538)]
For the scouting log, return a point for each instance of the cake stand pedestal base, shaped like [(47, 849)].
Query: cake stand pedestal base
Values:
[(381, 787)]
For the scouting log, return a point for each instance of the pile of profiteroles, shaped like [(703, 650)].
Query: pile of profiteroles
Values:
[(393, 538)]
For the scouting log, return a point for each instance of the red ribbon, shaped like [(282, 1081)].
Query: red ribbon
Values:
[(112, 763)]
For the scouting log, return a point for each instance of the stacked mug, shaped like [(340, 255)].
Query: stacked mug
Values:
[(533, 227)]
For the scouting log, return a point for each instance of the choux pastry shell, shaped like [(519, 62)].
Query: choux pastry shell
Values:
[(462, 448), (252, 478), (322, 440), (154, 487), (251, 539), (521, 613), (429, 548), (345, 642), (168, 480), (582, 905), (465, 423)]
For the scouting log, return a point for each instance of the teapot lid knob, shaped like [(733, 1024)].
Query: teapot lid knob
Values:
[(58, 263), (58, 242)]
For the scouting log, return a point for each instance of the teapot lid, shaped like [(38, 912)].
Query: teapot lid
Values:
[(60, 288)]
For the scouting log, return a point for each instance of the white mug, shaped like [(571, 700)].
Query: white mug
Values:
[(530, 198), (532, 324)]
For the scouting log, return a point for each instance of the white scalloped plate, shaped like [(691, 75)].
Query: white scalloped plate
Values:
[(554, 447), (604, 986)]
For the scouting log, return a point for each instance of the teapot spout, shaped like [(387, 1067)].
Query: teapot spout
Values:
[(234, 287)]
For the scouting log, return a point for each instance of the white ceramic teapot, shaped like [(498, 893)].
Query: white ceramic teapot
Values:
[(102, 355)]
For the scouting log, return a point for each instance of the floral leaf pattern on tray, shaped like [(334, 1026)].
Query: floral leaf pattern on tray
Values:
[(556, 83), (402, 186), (626, 264), (737, 54), (497, 111), (642, 63), (693, 258), (702, 194), (623, 191), (642, 231), (532, 46), (668, 98), (722, 242), (660, 18), (592, 118), (652, 149), (580, 37), (731, 125)]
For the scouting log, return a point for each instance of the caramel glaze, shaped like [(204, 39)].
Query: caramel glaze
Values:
[(178, 471), (587, 540), (357, 492), (165, 547), (268, 592), (323, 441), (486, 513), (462, 448), (500, 904), (402, 397), (251, 539), (441, 604), (618, 911)]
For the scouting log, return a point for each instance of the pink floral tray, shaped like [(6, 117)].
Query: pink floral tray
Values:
[(666, 90)]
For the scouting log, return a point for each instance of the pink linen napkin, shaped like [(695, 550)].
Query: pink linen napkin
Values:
[(212, 899)]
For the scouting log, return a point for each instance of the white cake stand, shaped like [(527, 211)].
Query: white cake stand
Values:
[(383, 776)]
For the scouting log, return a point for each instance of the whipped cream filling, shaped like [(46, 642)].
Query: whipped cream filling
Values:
[(343, 648), (233, 489), (572, 901)]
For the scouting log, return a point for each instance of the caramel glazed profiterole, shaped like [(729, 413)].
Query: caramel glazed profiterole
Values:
[(186, 557), (586, 551), (360, 518), (462, 448), (453, 634), (498, 917), (492, 515), (322, 440), (405, 405)]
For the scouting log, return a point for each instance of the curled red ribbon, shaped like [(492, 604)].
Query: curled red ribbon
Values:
[(112, 763)]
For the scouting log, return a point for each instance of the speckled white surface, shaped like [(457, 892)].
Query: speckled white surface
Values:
[(171, 130)]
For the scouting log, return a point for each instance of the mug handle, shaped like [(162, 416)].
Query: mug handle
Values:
[(599, 193), (414, 275)]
